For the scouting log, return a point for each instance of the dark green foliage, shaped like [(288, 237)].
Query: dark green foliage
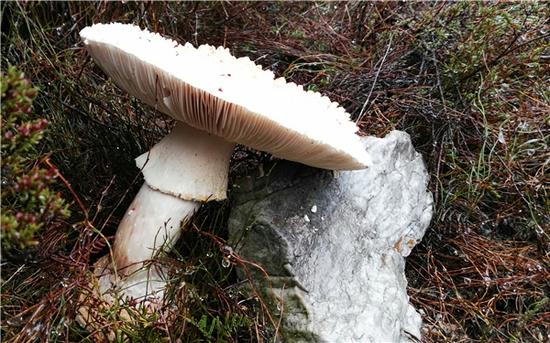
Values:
[(28, 202), (219, 330)]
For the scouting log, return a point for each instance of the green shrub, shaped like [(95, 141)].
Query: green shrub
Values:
[(28, 202)]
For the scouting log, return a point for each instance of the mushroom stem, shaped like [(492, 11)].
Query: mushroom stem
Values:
[(151, 223), (185, 168)]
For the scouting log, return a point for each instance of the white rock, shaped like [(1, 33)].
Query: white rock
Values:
[(347, 280)]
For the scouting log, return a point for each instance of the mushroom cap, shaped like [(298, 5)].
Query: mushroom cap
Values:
[(233, 98)]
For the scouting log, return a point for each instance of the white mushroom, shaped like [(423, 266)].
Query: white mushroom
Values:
[(219, 100)]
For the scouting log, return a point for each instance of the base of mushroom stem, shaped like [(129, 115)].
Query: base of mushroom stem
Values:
[(144, 287), (143, 290)]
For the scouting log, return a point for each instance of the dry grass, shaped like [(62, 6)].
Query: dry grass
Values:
[(469, 82)]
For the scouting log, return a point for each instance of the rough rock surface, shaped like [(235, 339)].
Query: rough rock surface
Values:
[(334, 244)]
